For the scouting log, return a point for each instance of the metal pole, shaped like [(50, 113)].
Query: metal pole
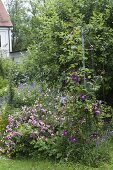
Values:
[(83, 57)]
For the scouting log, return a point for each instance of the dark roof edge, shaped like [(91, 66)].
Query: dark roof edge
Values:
[(5, 26)]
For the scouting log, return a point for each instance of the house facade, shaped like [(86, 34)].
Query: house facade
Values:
[(5, 32)]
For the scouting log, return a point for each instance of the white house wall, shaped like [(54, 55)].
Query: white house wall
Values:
[(6, 43)]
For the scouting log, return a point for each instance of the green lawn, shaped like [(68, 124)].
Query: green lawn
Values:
[(8, 164)]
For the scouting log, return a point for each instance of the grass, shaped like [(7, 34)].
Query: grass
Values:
[(9, 164), (30, 164), (6, 164)]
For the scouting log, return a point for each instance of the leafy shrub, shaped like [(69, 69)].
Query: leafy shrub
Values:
[(61, 125), (3, 82), (3, 86), (70, 130), (28, 130), (6, 66), (5, 111)]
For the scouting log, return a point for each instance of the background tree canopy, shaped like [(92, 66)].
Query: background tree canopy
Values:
[(51, 30)]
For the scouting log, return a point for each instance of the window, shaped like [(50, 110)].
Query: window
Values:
[(0, 40)]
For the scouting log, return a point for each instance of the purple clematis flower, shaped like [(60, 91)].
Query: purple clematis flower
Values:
[(65, 133), (75, 78), (86, 110), (97, 112), (83, 97), (73, 139), (96, 109)]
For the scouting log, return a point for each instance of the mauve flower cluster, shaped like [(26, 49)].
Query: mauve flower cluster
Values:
[(35, 122)]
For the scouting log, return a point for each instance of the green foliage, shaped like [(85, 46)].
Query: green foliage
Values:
[(3, 82), (5, 111), (6, 65), (66, 127), (19, 17), (3, 86), (55, 42), (53, 33), (26, 94), (61, 124), (56, 45), (5, 75), (67, 121)]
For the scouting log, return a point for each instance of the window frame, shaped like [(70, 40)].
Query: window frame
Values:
[(0, 41)]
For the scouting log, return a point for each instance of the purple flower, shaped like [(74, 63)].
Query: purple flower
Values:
[(33, 110), (34, 135), (96, 109), (34, 122), (63, 99), (8, 137), (83, 97), (94, 135), (65, 133), (86, 110), (75, 78), (8, 129), (16, 134), (87, 79), (97, 112), (73, 139), (107, 120), (10, 120)]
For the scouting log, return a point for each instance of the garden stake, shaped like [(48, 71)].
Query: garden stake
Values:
[(83, 57)]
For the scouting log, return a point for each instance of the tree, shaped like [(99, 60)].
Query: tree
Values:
[(57, 41), (52, 30), (19, 17)]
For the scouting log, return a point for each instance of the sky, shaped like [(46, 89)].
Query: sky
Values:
[(4, 1)]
